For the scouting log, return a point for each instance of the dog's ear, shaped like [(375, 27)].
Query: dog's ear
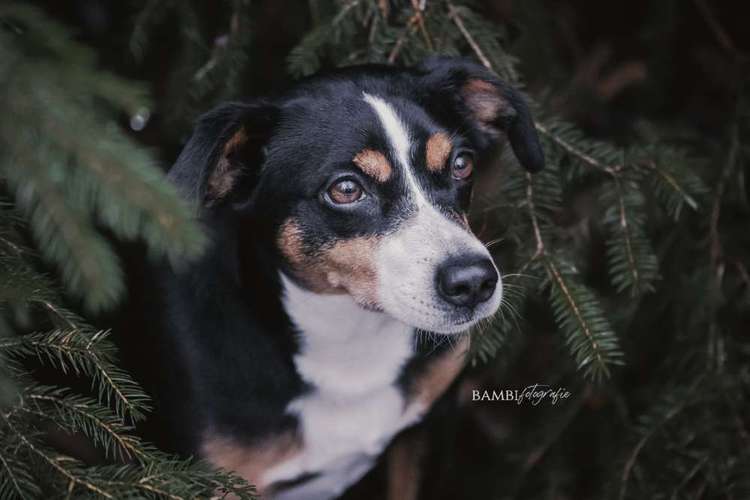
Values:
[(486, 107), (222, 160)]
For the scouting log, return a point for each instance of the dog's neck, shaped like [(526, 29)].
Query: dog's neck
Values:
[(344, 348)]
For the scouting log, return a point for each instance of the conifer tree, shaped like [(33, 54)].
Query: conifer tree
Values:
[(647, 294), (68, 171)]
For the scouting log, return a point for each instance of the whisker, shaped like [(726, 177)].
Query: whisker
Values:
[(491, 243)]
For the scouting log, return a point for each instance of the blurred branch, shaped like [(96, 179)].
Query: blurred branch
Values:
[(718, 30)]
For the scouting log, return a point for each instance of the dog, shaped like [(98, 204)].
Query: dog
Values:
[(337, 219)]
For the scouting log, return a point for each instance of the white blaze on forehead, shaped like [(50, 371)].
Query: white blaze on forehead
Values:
[(400, 140), (408, 259)]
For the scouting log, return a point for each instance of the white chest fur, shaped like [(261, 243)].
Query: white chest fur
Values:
[(351, 358)]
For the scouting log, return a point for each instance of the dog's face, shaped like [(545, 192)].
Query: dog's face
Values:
[(366, 177)]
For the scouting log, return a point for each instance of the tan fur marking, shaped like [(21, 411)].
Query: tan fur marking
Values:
[(484, 100), (238, 139), (222, 179), (290, 242), (347, 266), (250, 462), (374, 163), (405, 458), (350, 266), (474, 86), (440, 373), (438, 149)]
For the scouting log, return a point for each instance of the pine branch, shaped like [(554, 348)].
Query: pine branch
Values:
[(631, 260), (589, 337), (406, 33), (16, 480), (88, 264), (305, 58), (31, 33), (82, 414), (535, 221), (530, 200), (53, 460), (672, 177), (111, 176), (67, 162), (565, 137), (632, 263), (78, 352), (485, 40), (672, 193), (221, 73), (666, 408), (70, 168), (454, 14), (162, 477)]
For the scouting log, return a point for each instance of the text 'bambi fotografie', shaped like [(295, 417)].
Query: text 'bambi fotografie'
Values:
[(533, 394)]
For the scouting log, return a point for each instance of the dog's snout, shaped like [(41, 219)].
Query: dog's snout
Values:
[(467, 282)]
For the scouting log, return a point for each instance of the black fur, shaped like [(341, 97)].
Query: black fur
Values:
[(223, 342)]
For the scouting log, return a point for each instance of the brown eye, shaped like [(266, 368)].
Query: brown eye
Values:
[(463, 166), (345, 192)]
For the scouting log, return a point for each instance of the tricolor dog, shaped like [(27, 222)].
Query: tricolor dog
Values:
[(337, 215)]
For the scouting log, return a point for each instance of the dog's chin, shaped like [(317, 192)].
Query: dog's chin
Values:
[(449, 323), (448, 326), (438, 318)]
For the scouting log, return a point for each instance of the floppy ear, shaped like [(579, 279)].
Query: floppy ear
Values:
[(222, 160), (486, 106)]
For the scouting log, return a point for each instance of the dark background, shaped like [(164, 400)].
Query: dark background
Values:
[(615, 69), (606, 63)]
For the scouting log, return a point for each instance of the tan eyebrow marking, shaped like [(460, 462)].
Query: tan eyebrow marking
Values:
[(374, 163), (438, 148)]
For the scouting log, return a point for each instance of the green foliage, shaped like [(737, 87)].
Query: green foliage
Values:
[(591, 340), (67, 172), (70, 167), (667, 249), (632, 263), (207, 71), (715, 456), (675, 184), (655, 261), (83, 353), (588, 334)]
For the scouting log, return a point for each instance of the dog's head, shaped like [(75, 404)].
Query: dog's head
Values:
[(365, 177)]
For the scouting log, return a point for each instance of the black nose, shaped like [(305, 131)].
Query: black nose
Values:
[(466, 281)]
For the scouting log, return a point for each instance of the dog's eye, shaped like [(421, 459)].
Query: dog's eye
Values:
[(463, 166), (345, 191)]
